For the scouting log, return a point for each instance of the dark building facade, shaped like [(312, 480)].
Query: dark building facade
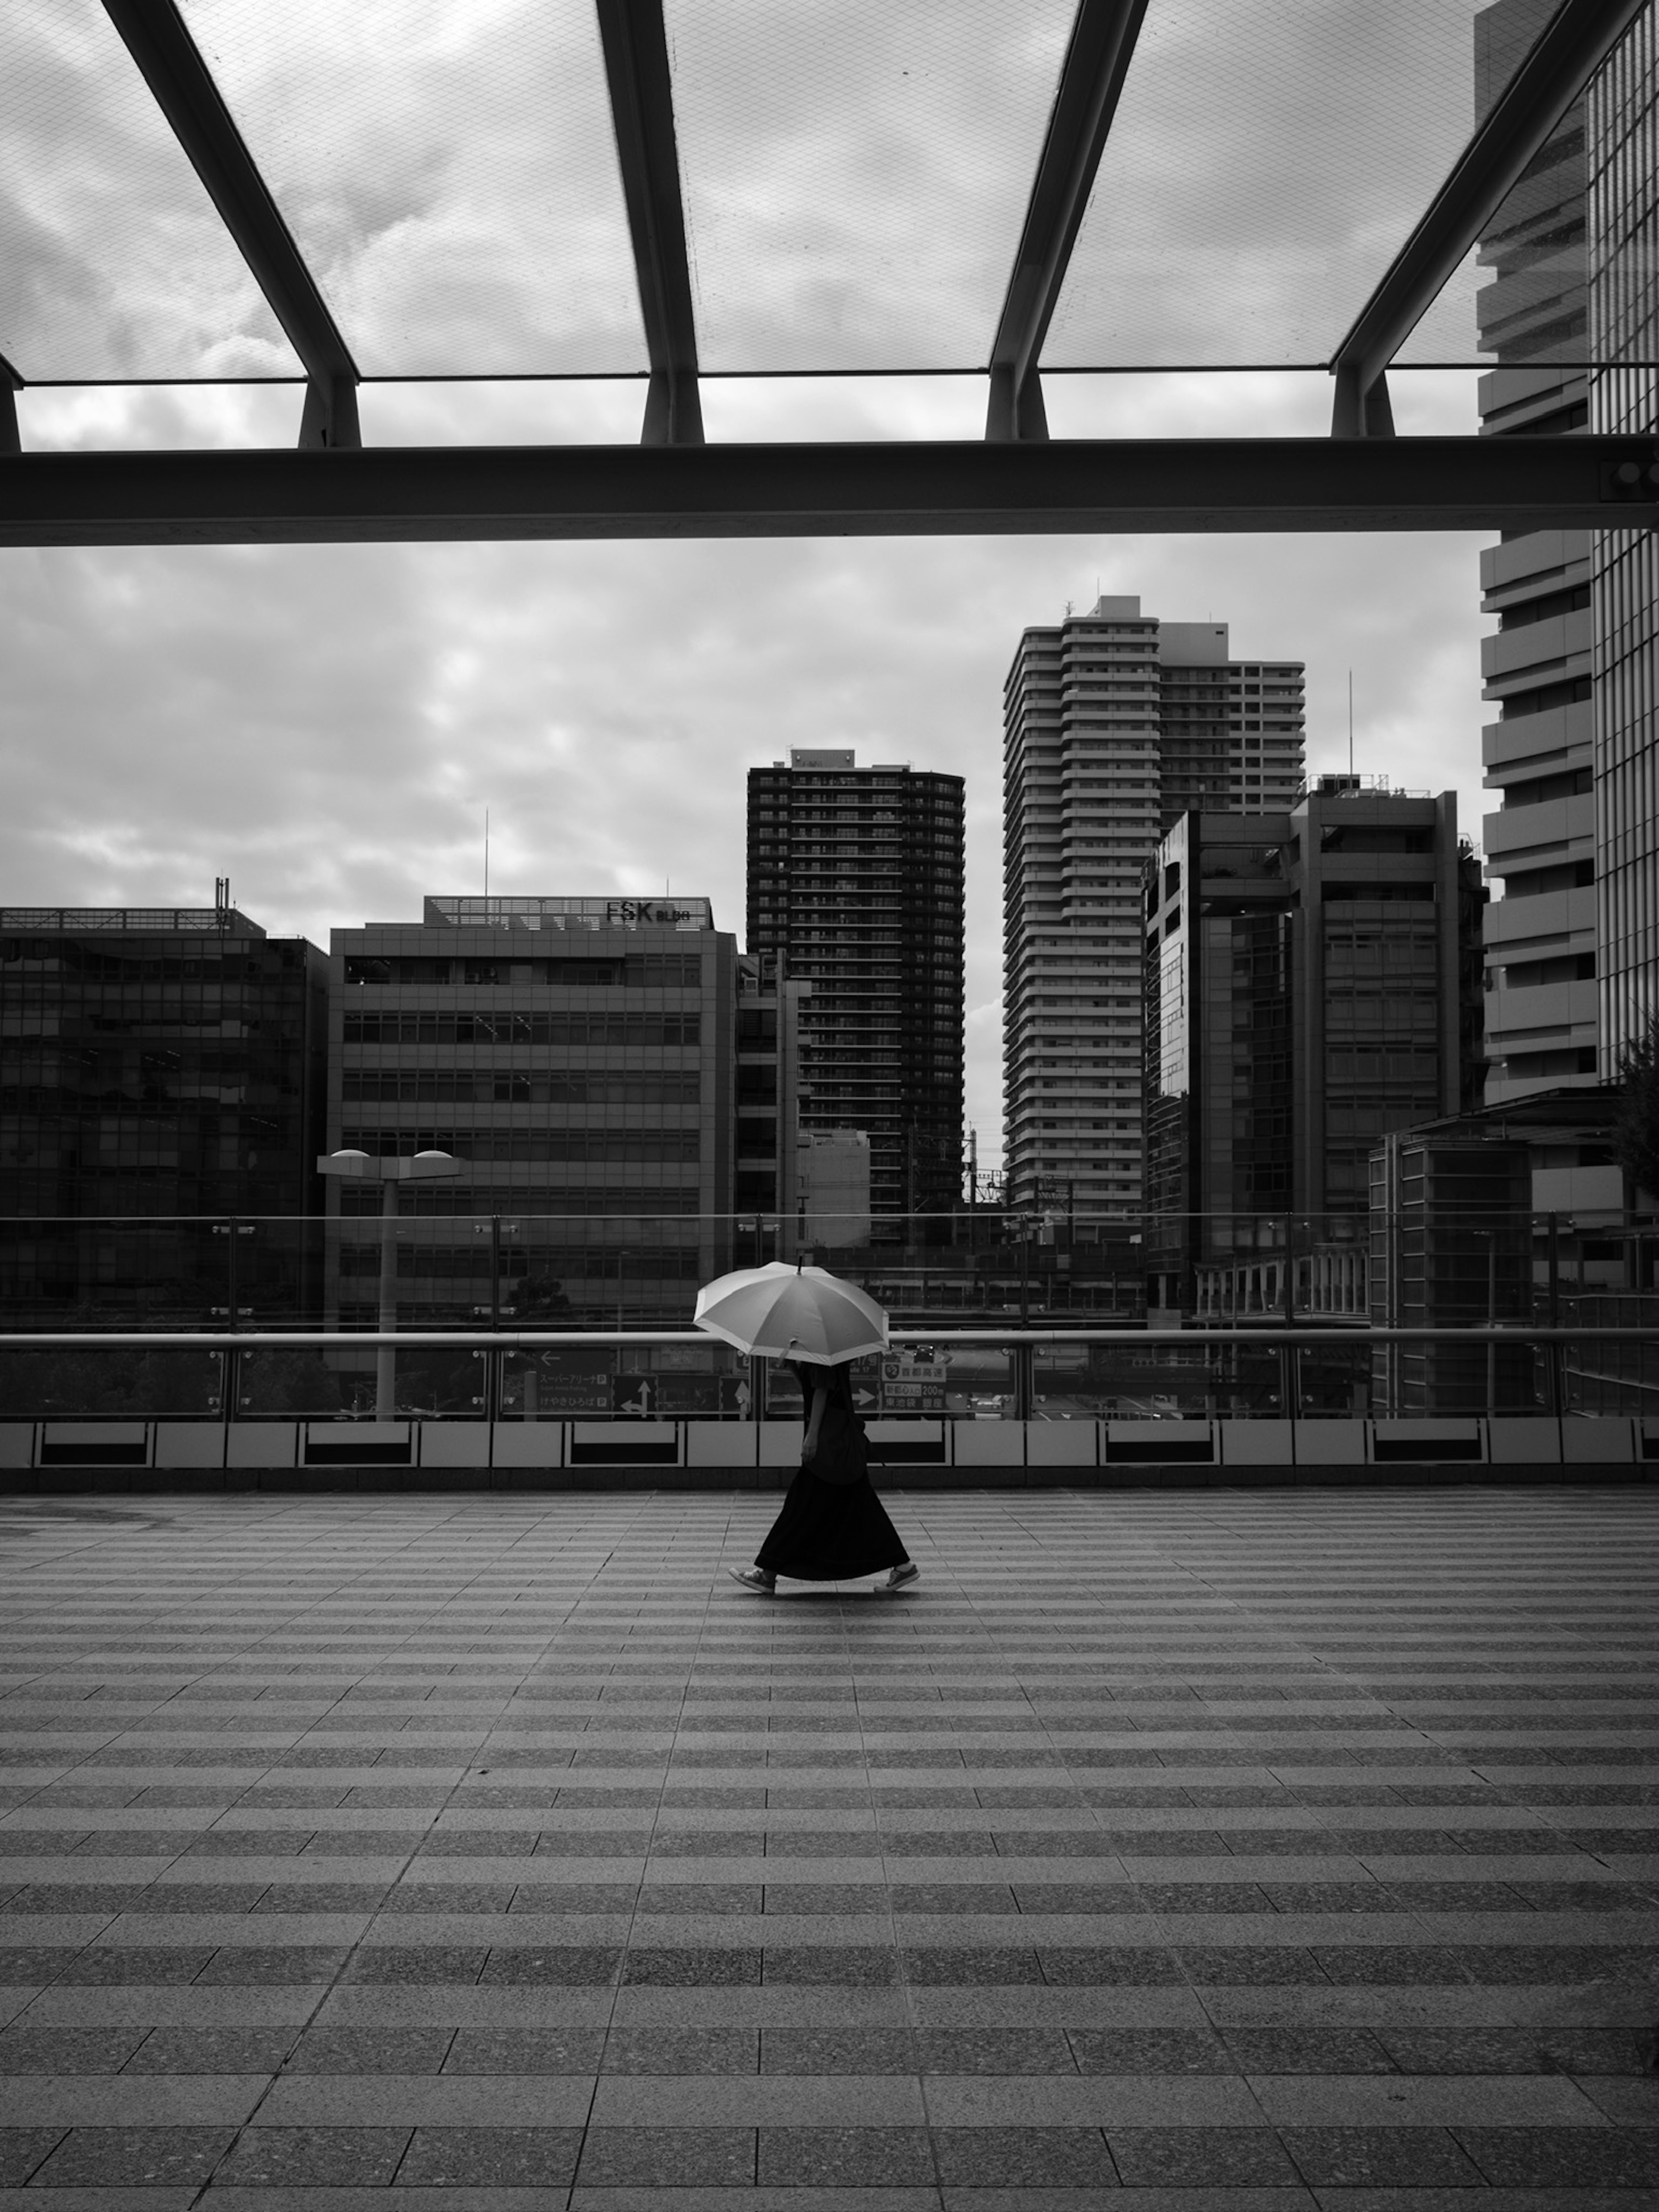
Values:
[(1513, 1213), (162, 1070), (578, 1056), (855, 878), (1312, 981)]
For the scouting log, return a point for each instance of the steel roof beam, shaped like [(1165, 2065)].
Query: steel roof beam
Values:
[(1572, 47), (185, 91), (636, 68), (431, 493), (1096, 62)]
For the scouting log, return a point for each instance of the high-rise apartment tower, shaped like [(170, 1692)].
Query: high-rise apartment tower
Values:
[(1114, 725), (855, 880)]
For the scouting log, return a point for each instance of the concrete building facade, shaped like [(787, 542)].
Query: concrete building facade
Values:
[(1114, 725), (855, 884), (578, 1056)]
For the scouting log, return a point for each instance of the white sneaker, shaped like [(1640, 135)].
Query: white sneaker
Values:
[(896, 1577), (756, 1579)]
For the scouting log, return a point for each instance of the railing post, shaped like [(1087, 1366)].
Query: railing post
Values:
[(1554, 1379), (1024, 1382)]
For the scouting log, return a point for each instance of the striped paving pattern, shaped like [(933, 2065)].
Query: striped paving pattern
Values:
[(1211, 1852)]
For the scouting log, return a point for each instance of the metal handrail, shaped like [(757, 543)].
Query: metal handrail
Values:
[(543, 1340)]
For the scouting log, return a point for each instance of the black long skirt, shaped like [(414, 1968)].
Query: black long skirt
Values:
[(830, 1532)]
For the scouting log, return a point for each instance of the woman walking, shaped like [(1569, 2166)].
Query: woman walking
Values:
[(832, 1527)]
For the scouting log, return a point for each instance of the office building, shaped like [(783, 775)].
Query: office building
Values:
[(1541, 1024), (855, 882), (162, 1070), (578, 1056), (1312, 981), (1574, 941), (1622, 139), (1116, 724)]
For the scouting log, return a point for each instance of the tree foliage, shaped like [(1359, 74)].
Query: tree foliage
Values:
[(1636, 1126)]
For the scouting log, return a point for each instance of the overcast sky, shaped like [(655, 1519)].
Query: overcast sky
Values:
[(326, 725)]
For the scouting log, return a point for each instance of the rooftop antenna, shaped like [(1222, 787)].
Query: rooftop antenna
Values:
[(1350, 726), (221, 903), (486, 860)]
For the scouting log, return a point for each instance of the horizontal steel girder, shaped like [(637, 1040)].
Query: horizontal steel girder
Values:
[(414, 494)]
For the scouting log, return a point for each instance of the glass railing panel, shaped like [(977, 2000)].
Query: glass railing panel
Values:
[(963, 1383), (109, 1381), (978, 1382), (303, 1380), (1333, 1378), (650, 1382)]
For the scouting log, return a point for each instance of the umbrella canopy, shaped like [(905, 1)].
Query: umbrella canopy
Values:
[(791, 1313)]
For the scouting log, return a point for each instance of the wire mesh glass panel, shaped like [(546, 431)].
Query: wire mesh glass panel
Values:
[(855, 178), (449, 173), (1522, 298), (72, 1381), (1265, 165), (303, 1378), (114, 261)]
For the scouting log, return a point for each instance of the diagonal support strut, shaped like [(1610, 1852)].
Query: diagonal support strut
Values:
[(636, 68), (1096, 62), (1573, 46), (184, 90), (11, 436)]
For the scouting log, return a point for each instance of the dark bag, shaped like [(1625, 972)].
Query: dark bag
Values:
[(843, 1457)]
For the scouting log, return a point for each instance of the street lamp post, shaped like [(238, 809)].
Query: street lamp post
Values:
[(390, 1174)]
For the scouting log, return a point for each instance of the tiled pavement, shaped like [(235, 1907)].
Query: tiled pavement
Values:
[(1211, 1852)]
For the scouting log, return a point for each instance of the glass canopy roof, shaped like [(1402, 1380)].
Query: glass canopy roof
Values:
[(854, 183), (112, 261), (1267, 162)]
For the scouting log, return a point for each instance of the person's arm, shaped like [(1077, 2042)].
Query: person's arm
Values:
[(809, 1443)]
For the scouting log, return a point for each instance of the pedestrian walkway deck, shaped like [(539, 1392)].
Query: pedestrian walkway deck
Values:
[(1207, 1851)]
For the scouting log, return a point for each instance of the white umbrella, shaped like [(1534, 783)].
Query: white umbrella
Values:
[(791, 1313)]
